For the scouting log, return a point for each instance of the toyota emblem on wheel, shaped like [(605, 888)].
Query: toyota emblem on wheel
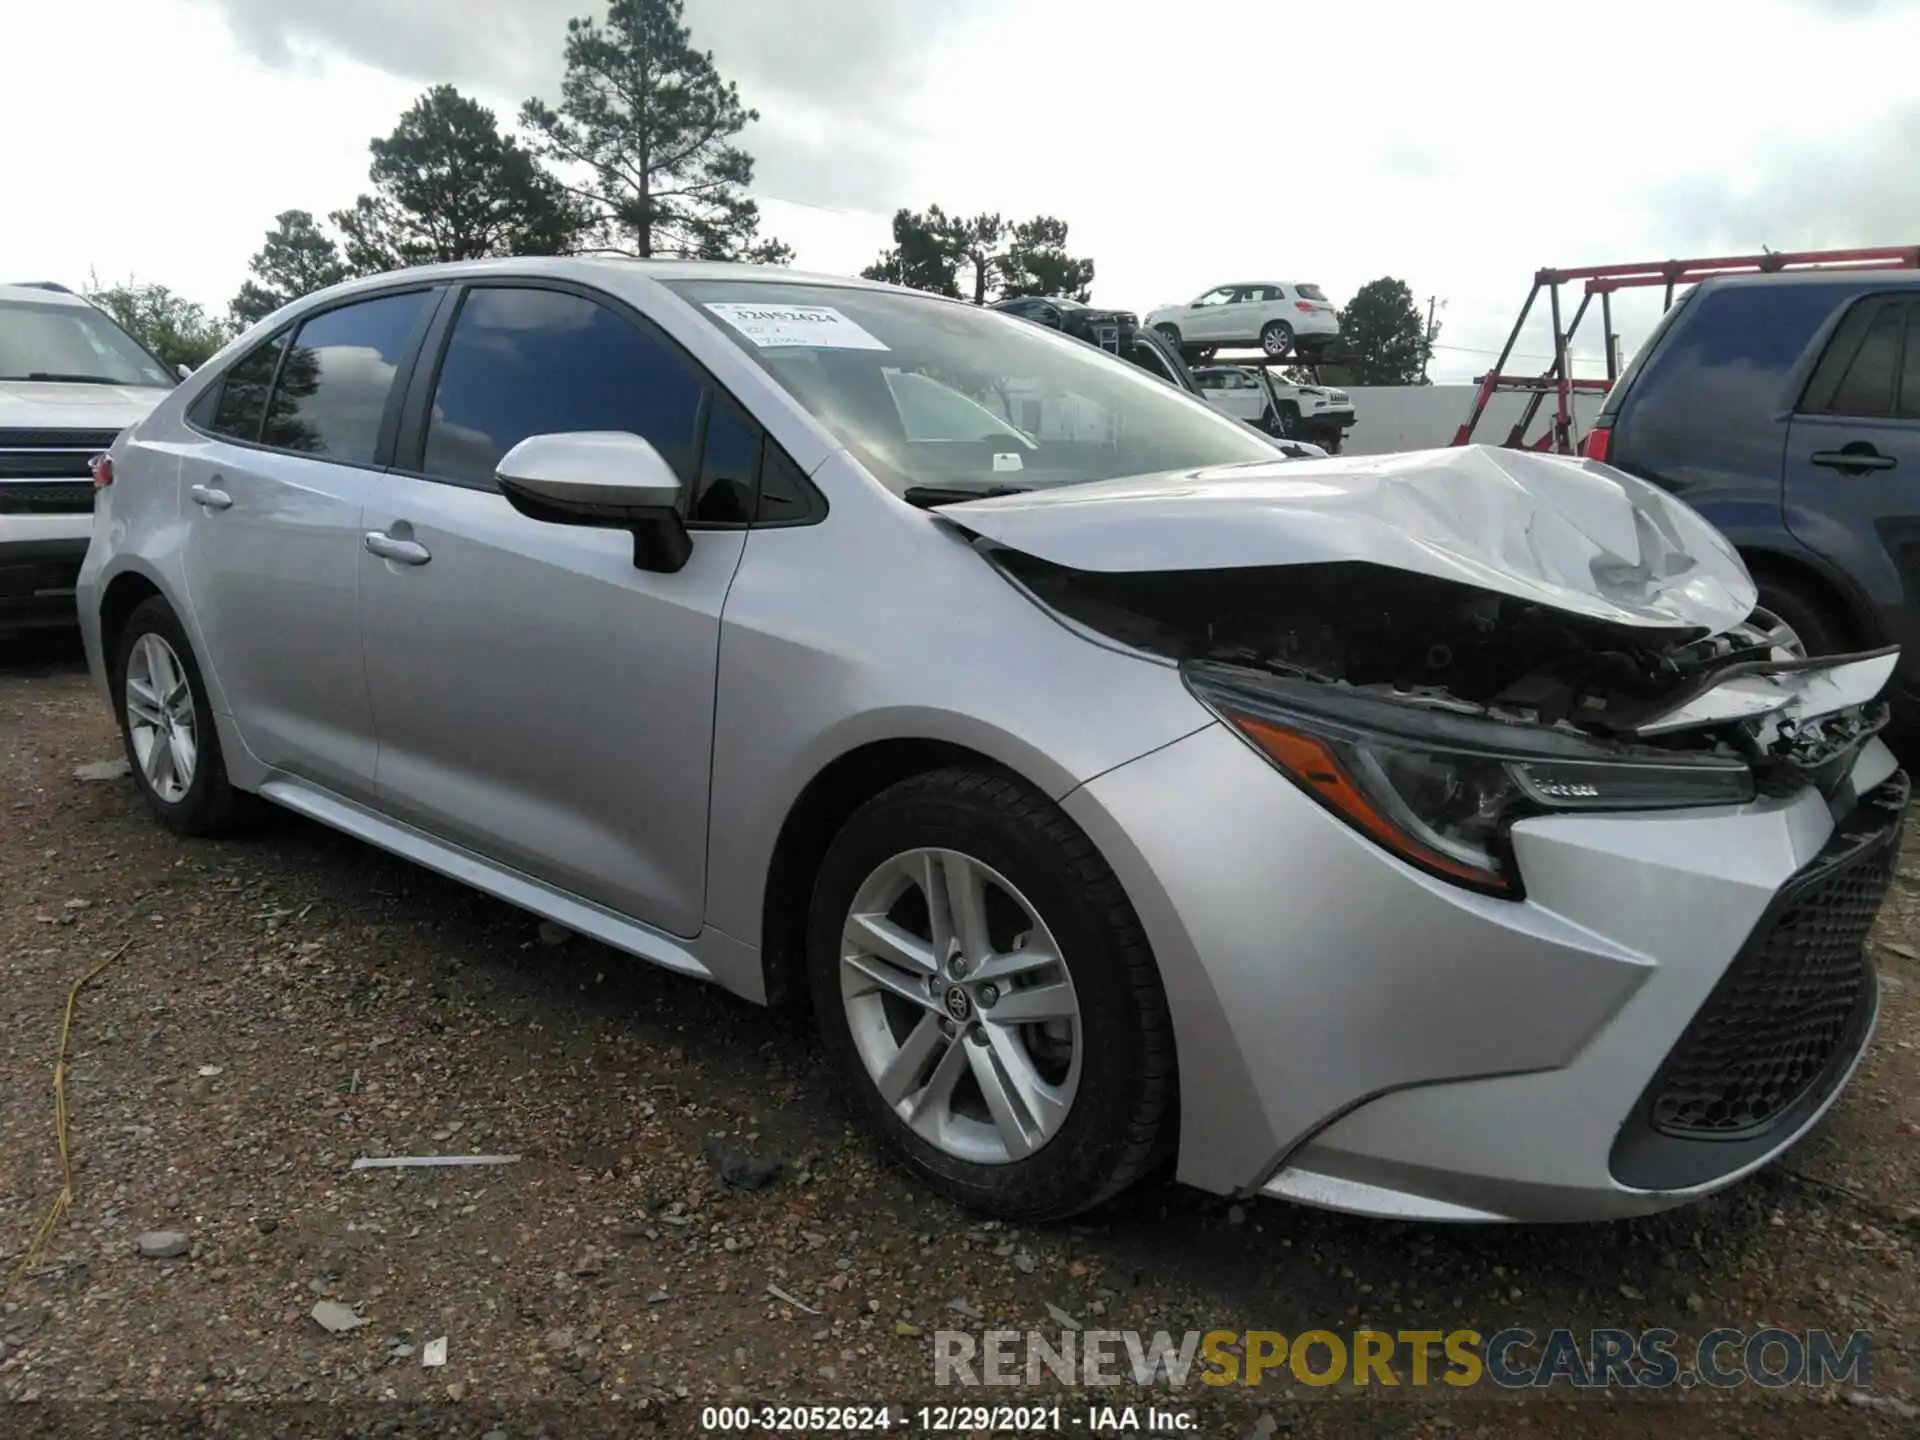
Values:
[(958, 1005)]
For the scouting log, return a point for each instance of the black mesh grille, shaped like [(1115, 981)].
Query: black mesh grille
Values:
[(1773, 1025), (73, 497), (88, 440)]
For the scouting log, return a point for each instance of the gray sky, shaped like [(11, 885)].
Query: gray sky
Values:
[(1460, 146)]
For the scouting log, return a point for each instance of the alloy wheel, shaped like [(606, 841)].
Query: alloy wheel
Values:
[(1276, 340), (960, 1006), (160, 718), (1770, 630)]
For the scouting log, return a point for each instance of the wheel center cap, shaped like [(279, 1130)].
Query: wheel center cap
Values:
[(957, 1004)]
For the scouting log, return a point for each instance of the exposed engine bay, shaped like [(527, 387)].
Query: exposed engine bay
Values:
[(1426, 641)]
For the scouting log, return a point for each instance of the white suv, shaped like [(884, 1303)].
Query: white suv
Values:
[(1319, 413), (1278, 317), (70, 381)]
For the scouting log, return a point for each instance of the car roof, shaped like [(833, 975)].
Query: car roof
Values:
[(40, 292), (1816, 277)]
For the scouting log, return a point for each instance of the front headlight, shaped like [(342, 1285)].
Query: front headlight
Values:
[(1441, 789)]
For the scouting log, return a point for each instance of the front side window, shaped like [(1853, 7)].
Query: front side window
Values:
[(1216, 297), (526, 362), (1858, 373), (338, 376), (74, 344), (883, 371)]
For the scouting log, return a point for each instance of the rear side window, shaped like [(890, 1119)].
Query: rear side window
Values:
[(1311, 292), (526, 362), (333, 389), (240, 402), (1723, 362), (1860, 370), (1910, 370)]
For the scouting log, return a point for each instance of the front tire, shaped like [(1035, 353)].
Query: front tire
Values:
[(166, 724), (1796, 622), (988, 998)]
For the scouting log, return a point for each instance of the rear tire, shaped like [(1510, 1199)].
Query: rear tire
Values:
[(1276, 338), (1113, 1061), (168, 729)]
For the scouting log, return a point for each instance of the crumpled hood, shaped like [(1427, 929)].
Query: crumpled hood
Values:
[(61, 405), (1570, 534)]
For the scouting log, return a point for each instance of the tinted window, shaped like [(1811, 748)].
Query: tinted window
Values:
[(539, 362), (1856, 375), (785, 493), (729, 462), (1706, 409), (1910, 371), (240, 400), (1310, 292), (333, 389)]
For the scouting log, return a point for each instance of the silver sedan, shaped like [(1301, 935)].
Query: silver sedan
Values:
[(1427, 836)]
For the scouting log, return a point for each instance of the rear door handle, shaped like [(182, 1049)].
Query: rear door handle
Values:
[(403, 552), (209, 498), (1865, 457)]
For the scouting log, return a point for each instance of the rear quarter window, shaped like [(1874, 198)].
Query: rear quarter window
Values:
[(1704, 407)]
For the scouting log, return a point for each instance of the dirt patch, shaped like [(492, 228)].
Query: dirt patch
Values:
[(295, 1000)]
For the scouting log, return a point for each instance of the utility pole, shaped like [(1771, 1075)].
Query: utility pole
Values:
[(1426, 350)]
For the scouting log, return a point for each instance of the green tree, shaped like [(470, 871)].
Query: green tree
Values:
[(1036, 262), (175, 328), (985, 255), (645, 131), (926, 252), (447, 185), (297, 259), (1384, 337)]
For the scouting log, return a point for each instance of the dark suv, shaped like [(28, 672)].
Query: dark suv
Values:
[(1786, 409)]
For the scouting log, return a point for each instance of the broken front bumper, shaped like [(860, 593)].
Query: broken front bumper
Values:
[(1356, 1034)]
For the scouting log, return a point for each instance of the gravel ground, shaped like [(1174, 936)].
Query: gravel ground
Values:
[(291, 1001)]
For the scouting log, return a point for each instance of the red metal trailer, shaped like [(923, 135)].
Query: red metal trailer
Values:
[(1603, 280)]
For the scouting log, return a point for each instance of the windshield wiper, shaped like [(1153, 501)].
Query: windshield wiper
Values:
[(928, 496), (66, 379)]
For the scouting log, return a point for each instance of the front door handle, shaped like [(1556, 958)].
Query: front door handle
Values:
[(1859, 457), (403, 552), (209, 498)]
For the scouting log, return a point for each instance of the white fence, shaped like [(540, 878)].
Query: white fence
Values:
[(1425, 417)]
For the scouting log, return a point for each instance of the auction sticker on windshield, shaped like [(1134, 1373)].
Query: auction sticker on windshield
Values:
[(819, 326)]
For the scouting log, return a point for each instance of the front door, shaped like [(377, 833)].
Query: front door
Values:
[(538, 699), (275, 481), (1852, 476)]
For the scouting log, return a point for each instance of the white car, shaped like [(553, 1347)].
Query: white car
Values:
[(1259, 397), (70, 381), (1280, 317)]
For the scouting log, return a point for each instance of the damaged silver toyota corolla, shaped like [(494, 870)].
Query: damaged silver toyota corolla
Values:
[(1428, 836)]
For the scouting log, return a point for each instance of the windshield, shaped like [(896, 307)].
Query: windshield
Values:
[(926, 392), (74, 343)]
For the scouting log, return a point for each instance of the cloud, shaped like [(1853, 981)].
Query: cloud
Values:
[(1802, 194), (835, 80), (1855, 9)]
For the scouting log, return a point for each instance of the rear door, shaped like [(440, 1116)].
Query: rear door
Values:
[(1852, 472), (289, 446), (538, 699)]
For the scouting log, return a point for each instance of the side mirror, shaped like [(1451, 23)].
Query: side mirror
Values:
[(183, 370), (604, 478)]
